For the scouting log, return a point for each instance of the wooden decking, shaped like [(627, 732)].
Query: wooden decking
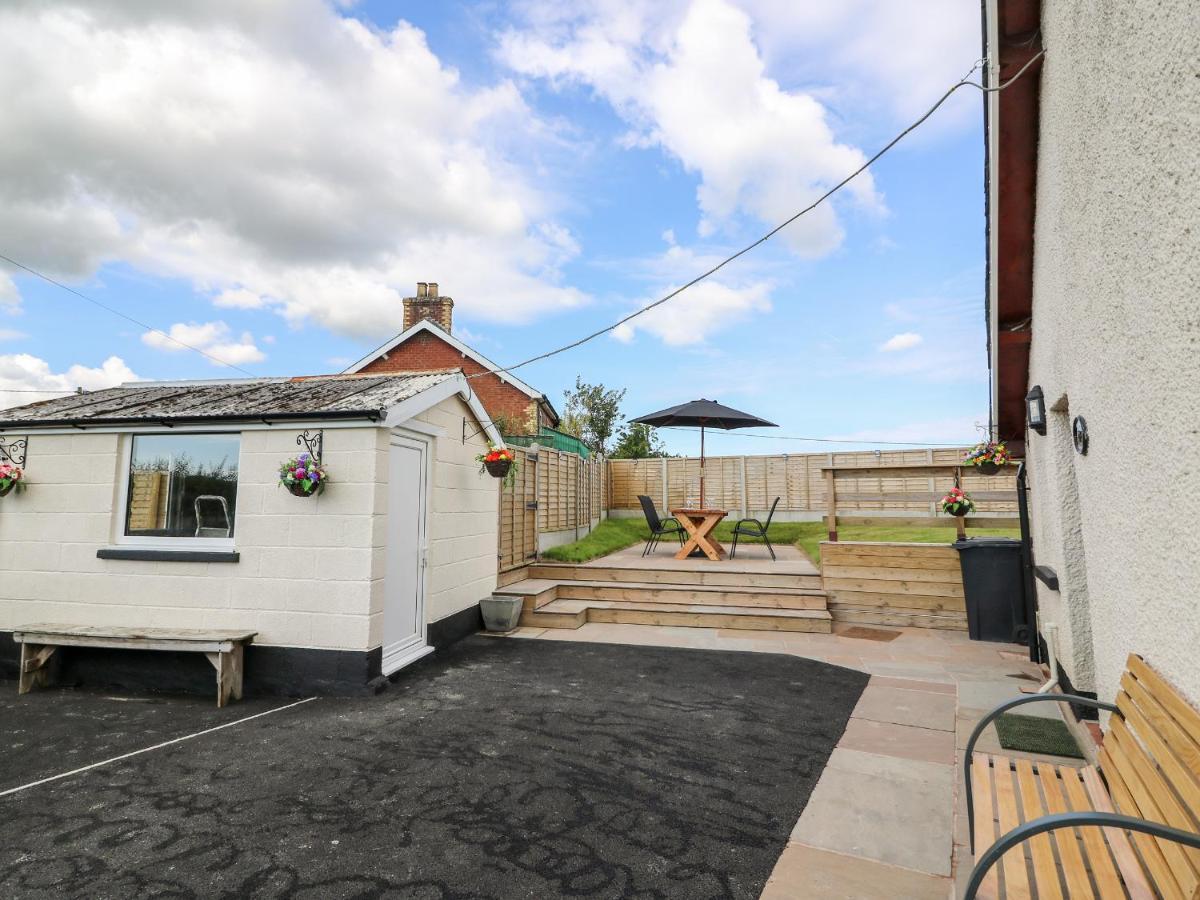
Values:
[(748, 593)]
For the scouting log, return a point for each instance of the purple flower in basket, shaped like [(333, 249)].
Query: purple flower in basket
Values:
[(314, 476)]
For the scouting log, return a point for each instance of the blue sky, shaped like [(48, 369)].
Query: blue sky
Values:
[(267, 181)]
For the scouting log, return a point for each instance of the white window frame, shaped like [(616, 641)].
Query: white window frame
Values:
[(166, 543)]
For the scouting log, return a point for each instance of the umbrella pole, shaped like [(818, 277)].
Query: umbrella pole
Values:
[(702, 467)]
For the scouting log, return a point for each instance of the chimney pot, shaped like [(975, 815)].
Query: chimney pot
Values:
[(433, 289), (421, 288)]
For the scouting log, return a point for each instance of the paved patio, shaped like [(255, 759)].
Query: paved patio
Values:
[(750, 558), (885, 819)]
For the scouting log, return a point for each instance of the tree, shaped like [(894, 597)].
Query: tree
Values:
[(592, 413), (639, 441)]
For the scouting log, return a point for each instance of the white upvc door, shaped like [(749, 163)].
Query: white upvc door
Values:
[(404, 577)]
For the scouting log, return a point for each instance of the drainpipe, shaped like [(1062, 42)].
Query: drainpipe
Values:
[(1051, 630)]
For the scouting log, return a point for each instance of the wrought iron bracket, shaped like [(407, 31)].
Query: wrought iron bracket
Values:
[(14, 451), (313, 443)]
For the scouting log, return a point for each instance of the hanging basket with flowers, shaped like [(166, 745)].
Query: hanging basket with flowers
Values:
[(957, 503), (12, 478), (303, 476), (988, 457), (499, 462)]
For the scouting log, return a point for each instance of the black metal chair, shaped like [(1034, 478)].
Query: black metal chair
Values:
[(658, 527), (754, 528)]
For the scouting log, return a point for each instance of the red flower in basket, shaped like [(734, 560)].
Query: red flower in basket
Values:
[(499, 462), (957, 503)]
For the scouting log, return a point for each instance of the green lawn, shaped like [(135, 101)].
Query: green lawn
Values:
[(616, 534)]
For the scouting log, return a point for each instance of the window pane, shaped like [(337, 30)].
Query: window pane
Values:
[(182, 485)]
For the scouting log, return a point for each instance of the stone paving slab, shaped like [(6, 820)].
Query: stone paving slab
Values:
[(805, 872), (921, 709), (985, 696), (892, 767), (901, 821), (903, 741)]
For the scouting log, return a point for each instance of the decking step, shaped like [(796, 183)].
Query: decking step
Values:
[(694, 594), (567, 613), (910, 618), (664, 574), (541, 591)]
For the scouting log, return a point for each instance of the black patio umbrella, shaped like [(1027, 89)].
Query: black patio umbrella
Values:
[(702, 414)]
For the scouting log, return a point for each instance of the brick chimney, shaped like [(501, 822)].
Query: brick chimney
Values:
[(428, 304)]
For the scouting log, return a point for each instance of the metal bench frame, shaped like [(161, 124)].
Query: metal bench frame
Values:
[(1054, 821)]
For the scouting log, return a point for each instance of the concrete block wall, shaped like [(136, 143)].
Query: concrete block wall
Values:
[(463, 515), (304, 578)]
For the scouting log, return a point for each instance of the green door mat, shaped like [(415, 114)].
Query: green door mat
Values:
[(1033, 734)]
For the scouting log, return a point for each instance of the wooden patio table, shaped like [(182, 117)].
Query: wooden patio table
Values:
[(699, 524)]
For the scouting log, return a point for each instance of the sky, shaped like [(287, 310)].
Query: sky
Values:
[(265, 181)]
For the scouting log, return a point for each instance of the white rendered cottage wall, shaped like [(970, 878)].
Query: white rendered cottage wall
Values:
[(1117, 336), (303, 580), (464, 512)]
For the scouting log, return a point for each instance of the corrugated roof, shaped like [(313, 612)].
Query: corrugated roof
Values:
[(336, 396)]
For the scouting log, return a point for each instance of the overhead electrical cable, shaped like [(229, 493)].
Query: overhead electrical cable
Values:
[(964, 82), (126, 317)]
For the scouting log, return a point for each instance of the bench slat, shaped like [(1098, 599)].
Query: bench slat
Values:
[(1044, 870), (1152, 856), (1016, 879), (1171, 701), (1127, 861), (1108, 882), (1066, 839), (65, 640), (1168, 743), (985, 821), (208, 635), (1157, 803)]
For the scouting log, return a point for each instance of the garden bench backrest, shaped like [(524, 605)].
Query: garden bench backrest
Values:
[(650, 512), (1150, 760)]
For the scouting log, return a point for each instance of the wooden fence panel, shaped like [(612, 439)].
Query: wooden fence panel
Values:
[(518, 513), (798, 480)]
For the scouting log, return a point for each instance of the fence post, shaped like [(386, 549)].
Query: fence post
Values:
[(666, 489), (745, 503), (831, 504)]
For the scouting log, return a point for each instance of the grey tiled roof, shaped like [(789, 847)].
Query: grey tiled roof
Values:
[(336, 396)]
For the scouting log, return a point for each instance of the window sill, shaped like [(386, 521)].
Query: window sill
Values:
[(151, 554)]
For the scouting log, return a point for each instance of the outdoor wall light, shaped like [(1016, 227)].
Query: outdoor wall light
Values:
[(1035, 403)]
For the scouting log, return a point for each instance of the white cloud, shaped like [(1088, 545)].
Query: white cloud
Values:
[(21, 374), (274, 154), (906, 340), (212, 337), (692, 81), (9, 295), (238, 298), (11, 334), (703, 310)]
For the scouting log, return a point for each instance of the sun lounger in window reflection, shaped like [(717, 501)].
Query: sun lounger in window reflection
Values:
[(211, 510)]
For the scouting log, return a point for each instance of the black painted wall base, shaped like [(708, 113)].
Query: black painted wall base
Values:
[(1082, 713), (455, 627), (272, 671)]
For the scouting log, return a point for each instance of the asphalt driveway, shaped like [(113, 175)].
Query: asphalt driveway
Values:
[(498, 768)]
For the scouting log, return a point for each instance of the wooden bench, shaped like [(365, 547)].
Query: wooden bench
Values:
[(223, 648), (1128, 828)]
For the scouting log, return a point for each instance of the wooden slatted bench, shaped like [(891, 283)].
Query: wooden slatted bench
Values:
[(1128, 828), (224, 649)]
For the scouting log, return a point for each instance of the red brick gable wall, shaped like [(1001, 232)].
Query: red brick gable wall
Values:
[(424, 352)]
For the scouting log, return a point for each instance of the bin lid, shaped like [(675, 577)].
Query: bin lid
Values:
[(981, 543)]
